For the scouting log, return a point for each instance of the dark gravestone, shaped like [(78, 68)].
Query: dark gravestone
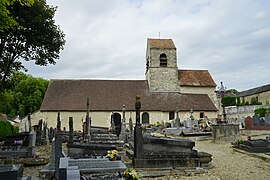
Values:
[(51, 134), (256, 146), (267, 118), (58, 125), (256, 120), (138, 138), (58, 153), (11, 171), (71, 133)]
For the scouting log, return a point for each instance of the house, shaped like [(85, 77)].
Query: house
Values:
[(165, 91), (259, 94)]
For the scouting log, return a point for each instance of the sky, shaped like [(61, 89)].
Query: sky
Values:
[(106, 39)]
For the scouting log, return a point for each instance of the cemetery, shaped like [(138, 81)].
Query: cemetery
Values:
[(152, 151)]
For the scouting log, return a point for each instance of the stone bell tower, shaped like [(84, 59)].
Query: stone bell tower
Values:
[(161, 66)]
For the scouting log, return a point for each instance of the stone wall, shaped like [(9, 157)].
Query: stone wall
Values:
[(242, 111), (162, 79)]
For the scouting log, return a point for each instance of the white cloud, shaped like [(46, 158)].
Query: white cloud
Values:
[(107, 39)]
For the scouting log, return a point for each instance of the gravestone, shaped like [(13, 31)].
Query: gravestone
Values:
[(11, 171), (123, 134), (58, 125), (88, 123), (71, 133), (188, 123), (130, 126), (163, 152), (256, 120), (267, 118), (29, 123), (51, 134), (196, 122), (177, 120)]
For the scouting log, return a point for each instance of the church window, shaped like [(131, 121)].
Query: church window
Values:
[(145, 118), (163, 60), (171, 115)]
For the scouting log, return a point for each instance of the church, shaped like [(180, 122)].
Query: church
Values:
[(165, 91)]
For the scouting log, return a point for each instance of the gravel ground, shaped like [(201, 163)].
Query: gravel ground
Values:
[(227, 164)]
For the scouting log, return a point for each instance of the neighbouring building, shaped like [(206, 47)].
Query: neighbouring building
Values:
[(259, 94), (165, 91)]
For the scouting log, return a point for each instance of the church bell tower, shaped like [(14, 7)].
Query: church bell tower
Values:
[(161, 66)]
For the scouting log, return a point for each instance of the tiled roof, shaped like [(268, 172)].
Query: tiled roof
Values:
[(110, 95), (253, 91), (195, 78), (161, 43)]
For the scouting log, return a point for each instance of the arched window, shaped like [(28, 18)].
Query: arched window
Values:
[(163, 60), (145, 118)]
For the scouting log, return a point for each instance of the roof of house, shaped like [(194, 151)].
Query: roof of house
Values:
[(253, 91), (161, 43), (111, 95), (200, 78)]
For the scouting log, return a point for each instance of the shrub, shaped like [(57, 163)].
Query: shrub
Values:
[(6, 129), (261, 111)]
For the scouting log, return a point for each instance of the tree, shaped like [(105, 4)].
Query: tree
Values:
[(25, 96), (229, 101), (36, 38), (6, 20)]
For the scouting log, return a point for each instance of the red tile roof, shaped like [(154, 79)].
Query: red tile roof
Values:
[(110, 95), (198, 78), (161, 43)]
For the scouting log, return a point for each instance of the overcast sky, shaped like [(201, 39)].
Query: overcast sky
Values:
[(106, 39)]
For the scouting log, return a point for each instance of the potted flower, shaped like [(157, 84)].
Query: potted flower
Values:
[(113, 155), (131, 174)]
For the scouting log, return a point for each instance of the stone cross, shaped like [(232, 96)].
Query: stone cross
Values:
[(88, 122), (138, 137), (123, 134), (58, 126), (70, 122), (29, 122), (130, 126)]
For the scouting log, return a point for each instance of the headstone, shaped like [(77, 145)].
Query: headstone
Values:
[(58, 153), (256, 120), (177, 120), (29, 123), (11, 171), (71, 133), (196, 122), (138, 138), (130, 126), (51, 134), (188, 123), (58, 126), (267, 118), (123, 134)]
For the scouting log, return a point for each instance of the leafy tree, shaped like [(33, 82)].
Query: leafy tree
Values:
[(6, 20), (234, 91), (229, 101), (36, 38), (25, 97)]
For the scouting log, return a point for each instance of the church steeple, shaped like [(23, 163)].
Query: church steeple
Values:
[(161, 66)]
